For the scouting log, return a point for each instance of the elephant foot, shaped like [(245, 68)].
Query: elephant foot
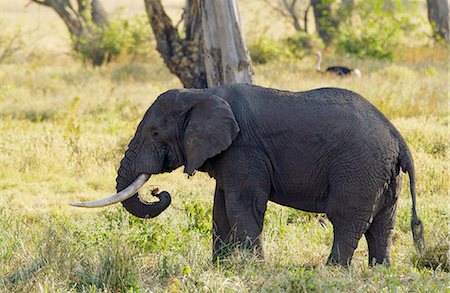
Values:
[(224, 250), (338, 262)]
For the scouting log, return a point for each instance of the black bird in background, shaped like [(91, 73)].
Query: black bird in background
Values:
[(337, 70)]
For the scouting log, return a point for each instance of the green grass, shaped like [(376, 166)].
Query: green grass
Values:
[(64, 128), (64, 131)]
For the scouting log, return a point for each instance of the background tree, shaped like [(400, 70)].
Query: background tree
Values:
[(85, 21), (327, 15), (326, 20), (345, 9), (439, 17), (294, 10)]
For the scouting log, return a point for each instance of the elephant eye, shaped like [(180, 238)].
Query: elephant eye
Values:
[(155, 133)]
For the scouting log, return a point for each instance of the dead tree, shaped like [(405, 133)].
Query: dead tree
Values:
[(439, 17), (227, 59), (212, 50)]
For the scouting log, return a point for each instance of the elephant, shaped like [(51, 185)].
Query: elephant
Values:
[(326, 150)]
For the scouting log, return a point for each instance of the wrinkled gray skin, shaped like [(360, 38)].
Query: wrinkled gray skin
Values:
[(325, 151)]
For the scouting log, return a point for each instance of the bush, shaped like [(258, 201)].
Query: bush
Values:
[(264, 50), (301, 44), (126, 37), (376, 29), (294, 47)]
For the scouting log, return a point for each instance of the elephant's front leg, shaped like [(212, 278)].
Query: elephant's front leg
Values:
[(238, 221), (242, 192), (221, 226), (245, 212)]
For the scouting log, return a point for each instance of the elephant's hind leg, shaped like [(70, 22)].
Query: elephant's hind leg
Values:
[(345, 241), (379, 234), (350, 216)]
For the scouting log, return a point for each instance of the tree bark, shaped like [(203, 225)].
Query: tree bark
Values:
[(345, 10), (326, 22), (439, 17), (183, 56), (98, 13), (227, 59)]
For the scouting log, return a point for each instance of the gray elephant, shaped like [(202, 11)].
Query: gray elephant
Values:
[(324, 151)]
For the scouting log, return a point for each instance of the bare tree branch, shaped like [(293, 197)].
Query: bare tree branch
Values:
[(85, 20), (289, 9)]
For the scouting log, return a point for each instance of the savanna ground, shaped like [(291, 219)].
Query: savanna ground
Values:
[(64, 127)]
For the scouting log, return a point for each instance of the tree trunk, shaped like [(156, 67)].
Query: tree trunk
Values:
[(326, 22), (439, 17), (212, 52), (345, 10), (98, 13), (183, 56), (226, 57)]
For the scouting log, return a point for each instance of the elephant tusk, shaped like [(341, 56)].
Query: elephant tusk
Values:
[(118, 197)]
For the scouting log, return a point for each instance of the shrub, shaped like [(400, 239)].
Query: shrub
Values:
[(300, 44), (264, 50), (198, 216), (376, 29), (126, 37)]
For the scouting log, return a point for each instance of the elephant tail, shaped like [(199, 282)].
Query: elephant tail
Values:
[(407, 165)]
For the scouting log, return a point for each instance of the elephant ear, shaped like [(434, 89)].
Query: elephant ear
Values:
[(211, 128)]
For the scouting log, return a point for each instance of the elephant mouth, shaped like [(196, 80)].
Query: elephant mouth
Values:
[(125, 194)]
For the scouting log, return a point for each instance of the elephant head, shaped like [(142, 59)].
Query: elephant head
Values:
[(182, 127)]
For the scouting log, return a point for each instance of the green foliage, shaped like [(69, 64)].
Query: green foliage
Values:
[(376, 30), (264, 50), (128, 38), (300, 44), (198, 216), (294, 47)]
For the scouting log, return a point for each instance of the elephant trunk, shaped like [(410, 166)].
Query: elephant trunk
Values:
[(135, 206), (129, 181)]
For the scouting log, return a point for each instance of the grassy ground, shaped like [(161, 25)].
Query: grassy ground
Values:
[(64, 128)]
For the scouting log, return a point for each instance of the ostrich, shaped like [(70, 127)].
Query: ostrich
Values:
[(337, 70)]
